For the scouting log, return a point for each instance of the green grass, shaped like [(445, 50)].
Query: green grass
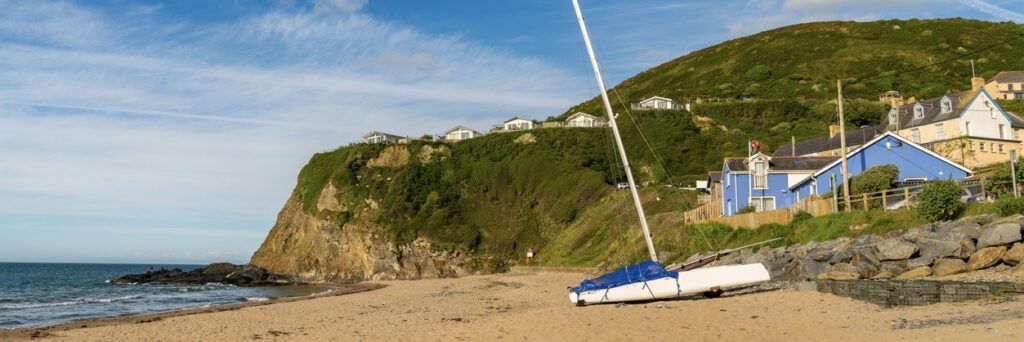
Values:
[(803, 62)]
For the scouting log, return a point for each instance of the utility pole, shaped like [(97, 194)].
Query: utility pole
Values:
[(1013, 172), (792, 145), (842, 144)]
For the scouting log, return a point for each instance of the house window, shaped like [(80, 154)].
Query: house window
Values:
[(970, 146), (918, 111), (760, 174), (892, 117), (1009, 86), (1002, 131), (1018, 96), (763, 203), (915, 135), (947, 105), (982, 147), (968, 127), (1001, 150), (1016, 134), (940, 132)]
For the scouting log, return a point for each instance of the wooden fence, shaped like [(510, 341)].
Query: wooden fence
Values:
[(713, 212), (906, 196)]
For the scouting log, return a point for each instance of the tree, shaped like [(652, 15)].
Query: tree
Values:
[(758, 73)]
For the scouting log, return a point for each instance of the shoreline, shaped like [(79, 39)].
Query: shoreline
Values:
[(106, 321), (534, 306)]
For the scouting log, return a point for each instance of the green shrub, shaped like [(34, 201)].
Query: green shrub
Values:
[(1008, 205), (747, 210), (940, 201), (801, 216), (875, 179), (998, 183), (758, 73)]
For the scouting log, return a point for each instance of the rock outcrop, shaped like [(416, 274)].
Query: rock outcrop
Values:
[(224, 273), (315, 249)]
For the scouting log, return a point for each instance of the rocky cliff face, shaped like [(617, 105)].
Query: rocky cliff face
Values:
[(317, 250)]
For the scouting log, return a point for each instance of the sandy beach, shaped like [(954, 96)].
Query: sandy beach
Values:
[(525, 306)]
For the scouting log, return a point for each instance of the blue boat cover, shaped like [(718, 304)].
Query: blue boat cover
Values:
[(645, 271)]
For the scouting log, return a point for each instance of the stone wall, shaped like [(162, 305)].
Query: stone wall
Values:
[(916, 293)]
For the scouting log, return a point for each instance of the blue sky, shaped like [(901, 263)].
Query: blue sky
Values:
[(172, 131)]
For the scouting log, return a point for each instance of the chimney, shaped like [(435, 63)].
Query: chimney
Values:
[(833, 129), (897, 102), (976, 84)]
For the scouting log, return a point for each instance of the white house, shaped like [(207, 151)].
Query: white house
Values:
[(376, 137), (519, 124), (460, 133), (584, 120), (657, 102)]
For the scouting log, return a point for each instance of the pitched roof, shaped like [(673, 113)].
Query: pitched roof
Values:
[(580, 114), (932, 110), (1009, 77), (784, 163), (372, 133), (517, 118), (456, 128), (905, 141), (657, 98), (854, 137), (715, 176)]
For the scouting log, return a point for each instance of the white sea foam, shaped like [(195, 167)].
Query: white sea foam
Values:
[(256, 299), (67, 303)]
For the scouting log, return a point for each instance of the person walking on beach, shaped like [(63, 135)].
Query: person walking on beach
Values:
[(529, 255)]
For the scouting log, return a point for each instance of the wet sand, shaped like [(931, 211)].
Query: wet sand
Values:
[(523, 306)]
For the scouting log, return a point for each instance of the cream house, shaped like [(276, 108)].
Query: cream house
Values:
[(657, 102), (460, 133), (968, 127), (584, 120), (1007, 85), (518, 124), (375, 137)]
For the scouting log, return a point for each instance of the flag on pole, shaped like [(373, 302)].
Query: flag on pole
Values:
[(754, 147)]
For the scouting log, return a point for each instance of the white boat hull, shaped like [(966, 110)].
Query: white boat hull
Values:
[(688, 283)]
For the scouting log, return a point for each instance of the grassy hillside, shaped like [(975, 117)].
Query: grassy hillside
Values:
[(803, 61)]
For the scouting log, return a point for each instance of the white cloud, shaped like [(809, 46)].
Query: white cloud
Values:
[(993, 10), (214, 128), (338, 5)]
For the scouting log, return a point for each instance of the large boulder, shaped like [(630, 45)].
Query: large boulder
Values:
[(1015, 255), (999, 234), (966, 230), (809, 269), (920, 261), (986, 257), (944, 244), (883, 275), (980, 219), (895, 249), (916, 273), (945, 267)]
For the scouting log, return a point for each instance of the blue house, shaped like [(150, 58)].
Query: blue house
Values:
[(768, 189), (914, 162), (768, 183)]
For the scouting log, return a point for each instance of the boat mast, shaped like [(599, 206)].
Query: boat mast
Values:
[(615, 130)]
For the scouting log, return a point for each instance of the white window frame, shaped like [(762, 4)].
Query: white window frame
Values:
[(981, 147), (918, 112), (967, 126), (915, 135), (761, 201), (940, 131), (760, 179), (1002, 148), (1002, 131)]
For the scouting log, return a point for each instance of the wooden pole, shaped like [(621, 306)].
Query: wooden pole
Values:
[(885, 200), (842, 142), (792, 144), (865, 197)]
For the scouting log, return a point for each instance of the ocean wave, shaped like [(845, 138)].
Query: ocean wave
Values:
[(68, 303), (256, 299)]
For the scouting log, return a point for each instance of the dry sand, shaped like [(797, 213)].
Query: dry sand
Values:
[(535, 307)]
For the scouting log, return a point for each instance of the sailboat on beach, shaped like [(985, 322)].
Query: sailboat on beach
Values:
[(650, 280)]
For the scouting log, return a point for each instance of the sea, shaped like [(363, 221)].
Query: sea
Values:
[(33, 295)]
